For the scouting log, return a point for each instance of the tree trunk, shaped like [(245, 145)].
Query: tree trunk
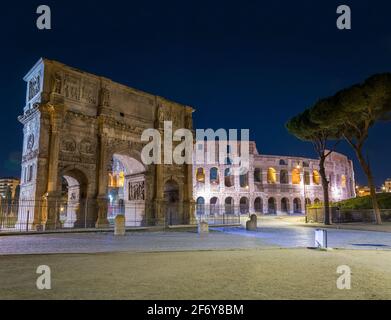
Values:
[(371, 184), (325, 186)]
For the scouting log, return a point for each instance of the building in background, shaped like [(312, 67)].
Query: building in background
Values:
[(363, 191), (387, 185), (273, 184), (9, 187)]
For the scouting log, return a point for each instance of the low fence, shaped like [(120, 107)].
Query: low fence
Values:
[(220, 214), (347, 215), (21, 216)]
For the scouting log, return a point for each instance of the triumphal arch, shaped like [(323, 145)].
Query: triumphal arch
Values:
[(82, 153)]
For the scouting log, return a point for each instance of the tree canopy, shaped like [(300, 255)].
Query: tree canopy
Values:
[(349, 114)]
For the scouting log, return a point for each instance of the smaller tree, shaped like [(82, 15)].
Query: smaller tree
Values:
[(305, 128)]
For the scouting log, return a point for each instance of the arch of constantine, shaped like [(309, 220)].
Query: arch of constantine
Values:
[(82, 153)]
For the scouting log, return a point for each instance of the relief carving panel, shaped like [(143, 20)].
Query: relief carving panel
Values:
[(72, 87)]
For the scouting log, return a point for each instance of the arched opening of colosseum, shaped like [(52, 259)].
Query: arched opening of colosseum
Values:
[(200, 176), (284, 177), (296, 176), (200, 203), (244, 181), (272, 206), (257, 175), (284, 205), (271, 176), (316, 177), (228, 178), (229, 206), (258, 205), (316, 201), (214, 206), (244, 205), (126, 189), (73, 209), (214, 176), (283, 162), (297, 205), (172, 199)]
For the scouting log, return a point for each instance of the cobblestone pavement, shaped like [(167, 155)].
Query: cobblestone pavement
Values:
[(271, 233)]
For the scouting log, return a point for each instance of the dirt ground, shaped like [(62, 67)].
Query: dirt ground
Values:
[(216, 275)]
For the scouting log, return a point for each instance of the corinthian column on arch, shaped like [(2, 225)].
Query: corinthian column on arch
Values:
[(50, 209), (102, 199)]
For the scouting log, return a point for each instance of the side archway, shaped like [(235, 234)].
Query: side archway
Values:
[(76, 209)]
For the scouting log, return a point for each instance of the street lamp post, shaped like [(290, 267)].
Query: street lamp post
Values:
[(305, 198)]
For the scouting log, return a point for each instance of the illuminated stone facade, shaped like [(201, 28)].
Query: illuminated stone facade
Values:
[(273, 185), (77, 127), (8, 187), (387, 185)]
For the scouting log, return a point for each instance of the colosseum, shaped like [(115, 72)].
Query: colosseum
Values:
[(273, 184)]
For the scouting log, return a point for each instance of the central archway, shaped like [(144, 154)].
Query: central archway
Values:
[(126, 189)]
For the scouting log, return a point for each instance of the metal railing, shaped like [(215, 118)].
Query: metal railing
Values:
[(220, 214), (33, 216)]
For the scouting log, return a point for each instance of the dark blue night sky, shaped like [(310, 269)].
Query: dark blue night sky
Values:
[(241, 64)]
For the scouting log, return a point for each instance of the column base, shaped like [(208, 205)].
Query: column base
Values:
[(189, 212), (102, 223)]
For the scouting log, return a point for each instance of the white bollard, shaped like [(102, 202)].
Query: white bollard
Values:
[(119, 228), (321, 238), (203, 227)]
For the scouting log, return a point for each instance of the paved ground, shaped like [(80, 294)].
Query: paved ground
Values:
[(225, 264), (271, 233), (205, 275), (288, 232)]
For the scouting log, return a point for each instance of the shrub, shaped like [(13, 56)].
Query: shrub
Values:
[(358, 203)]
